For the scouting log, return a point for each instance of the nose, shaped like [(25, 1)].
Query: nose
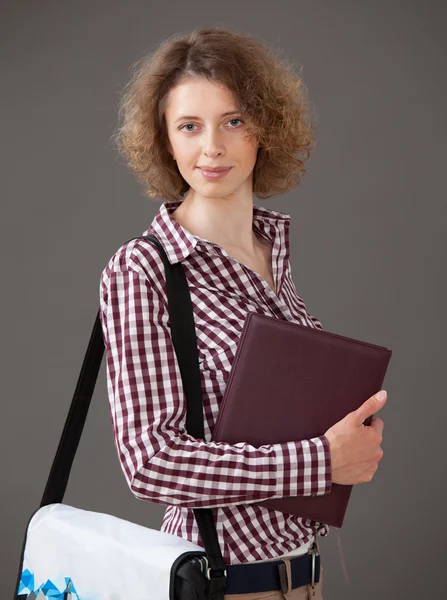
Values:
[(213, 144)]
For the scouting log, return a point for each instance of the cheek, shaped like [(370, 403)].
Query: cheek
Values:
[(180, 142), (177, 143), (250, 146), (250, 153)]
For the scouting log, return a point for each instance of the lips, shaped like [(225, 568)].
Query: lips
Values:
[(217, 173), (214, 169)]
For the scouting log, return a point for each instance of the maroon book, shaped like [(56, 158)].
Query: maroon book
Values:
[(291, 382)]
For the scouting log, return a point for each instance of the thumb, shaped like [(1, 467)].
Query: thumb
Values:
[(370, 407)]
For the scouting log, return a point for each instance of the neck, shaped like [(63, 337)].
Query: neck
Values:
[(227, 222)]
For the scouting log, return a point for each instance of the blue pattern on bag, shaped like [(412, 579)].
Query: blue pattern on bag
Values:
[(49, 590)]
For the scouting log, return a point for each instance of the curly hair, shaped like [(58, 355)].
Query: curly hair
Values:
[(272, 98)]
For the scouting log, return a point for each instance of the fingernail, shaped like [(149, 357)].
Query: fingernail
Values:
[(381, 395)]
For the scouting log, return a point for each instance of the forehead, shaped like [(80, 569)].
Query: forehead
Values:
[(198, 95)]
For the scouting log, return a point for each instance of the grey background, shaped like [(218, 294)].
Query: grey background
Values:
[(367, 239)]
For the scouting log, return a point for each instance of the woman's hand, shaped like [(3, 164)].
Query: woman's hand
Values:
[(355, 448)]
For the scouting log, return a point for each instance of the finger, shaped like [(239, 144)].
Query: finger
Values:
[(368, 408), (377, 424)]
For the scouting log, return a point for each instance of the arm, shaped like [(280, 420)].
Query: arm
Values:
[(161, 462)]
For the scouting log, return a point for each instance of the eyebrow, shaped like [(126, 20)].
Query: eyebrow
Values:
[(232, 112)]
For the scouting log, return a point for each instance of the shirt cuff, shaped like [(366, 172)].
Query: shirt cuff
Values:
[(306, 468)]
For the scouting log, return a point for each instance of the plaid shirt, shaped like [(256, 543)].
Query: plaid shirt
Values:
[(161, 462)]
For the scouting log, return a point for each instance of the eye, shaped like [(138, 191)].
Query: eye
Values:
[(187, 125), (192, 125)]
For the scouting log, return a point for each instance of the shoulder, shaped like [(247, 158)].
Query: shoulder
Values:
[(139, 258)]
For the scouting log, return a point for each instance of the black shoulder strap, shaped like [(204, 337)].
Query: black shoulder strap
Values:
[(185, 345)]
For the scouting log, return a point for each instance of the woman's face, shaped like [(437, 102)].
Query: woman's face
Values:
[(201, 134)]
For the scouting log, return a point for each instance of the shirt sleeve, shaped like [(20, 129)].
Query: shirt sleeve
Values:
[(161, 462)]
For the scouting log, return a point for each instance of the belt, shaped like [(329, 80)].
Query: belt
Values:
[(248, 578)]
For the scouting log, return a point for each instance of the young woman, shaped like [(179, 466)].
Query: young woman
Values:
[(208, 121)]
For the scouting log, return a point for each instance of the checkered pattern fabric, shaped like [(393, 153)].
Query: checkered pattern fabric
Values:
[(162, 463)]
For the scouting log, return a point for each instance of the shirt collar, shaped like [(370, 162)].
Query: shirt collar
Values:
[(179, 243)]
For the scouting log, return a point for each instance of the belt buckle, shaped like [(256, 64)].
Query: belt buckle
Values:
[(315, 553)]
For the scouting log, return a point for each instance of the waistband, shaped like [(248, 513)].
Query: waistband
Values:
[(284, 574)]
